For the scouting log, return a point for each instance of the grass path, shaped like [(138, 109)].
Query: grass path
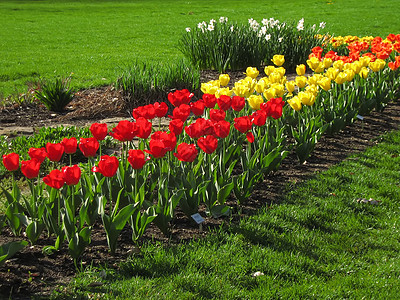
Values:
[(95, 40), (319, 243)]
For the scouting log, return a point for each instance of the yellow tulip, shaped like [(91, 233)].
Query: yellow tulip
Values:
[(301, 69), (313, 89), (268, 70), (223, 91), (338, 64), (356, 66), (331, 73), (252, 72), (279, 90), (364, 72), (270, 93), (275, 77), (255, 101), (305, 98), (325, 83), (295, 103), (301, 81), (261, 85), (241, 91), (290, 85), (340, 78), (349, 74), (377, 65), (208, 88), (327, 62), (278, 60), (224, 79), (281, 71), (314, 79), (364, 60), (313, 63)]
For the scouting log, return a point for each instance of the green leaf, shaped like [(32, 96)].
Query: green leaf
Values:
[(8, 250), (224, 192)]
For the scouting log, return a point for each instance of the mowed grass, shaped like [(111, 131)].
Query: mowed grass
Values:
[(319, 242), (95, 40)]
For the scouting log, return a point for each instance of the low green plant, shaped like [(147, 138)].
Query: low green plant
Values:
[(144, 83), (55, 95)]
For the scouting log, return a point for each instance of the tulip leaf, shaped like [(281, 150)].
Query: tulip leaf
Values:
[(8, 250)]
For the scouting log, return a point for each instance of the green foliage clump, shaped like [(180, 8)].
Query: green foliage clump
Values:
[(144, 82), (55, 95), (223, 45)]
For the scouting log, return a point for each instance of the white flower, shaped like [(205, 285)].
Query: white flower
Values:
[(232, 28), (280, 39), (322, 25), (265, 22), (210, 27), (313, 27), (187, 29), (254, 24), (212, 21), (223, 19), (300, 25), (263, 30), (267, 37)]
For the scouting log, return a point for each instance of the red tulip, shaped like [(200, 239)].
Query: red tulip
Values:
[(217, 115), (71, 174), (209, 100), (259, 117), (238, 103), (108, 166), (197, 108), (124, 131), (208, 144), (250, 137), (273, 107), (99, 131), (143, 128), (89, 146), (70, 145), (54, 151), (136, 159), (39, 153), (180, 97), (243, 124), (199, 128), (30, 168), (160, 109), (11, 161), (181, 112), (55, 179), (176, 126), (157, 148), (146, 111), (222, 128), (224, 102), (186, 152)]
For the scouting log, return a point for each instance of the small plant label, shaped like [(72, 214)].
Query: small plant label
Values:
[(197, 218), (360, 117)]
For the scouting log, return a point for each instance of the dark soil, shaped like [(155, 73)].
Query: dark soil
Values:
[(30, 272)]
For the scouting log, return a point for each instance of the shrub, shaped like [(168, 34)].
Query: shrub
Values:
[(55, 95)]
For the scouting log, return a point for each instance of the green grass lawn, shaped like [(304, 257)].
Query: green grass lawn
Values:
[(95, 40), (318, 243)]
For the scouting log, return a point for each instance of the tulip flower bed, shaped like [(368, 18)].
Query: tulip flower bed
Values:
[(214, 148)]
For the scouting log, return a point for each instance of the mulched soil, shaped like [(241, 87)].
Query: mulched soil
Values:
[(30, 272)]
